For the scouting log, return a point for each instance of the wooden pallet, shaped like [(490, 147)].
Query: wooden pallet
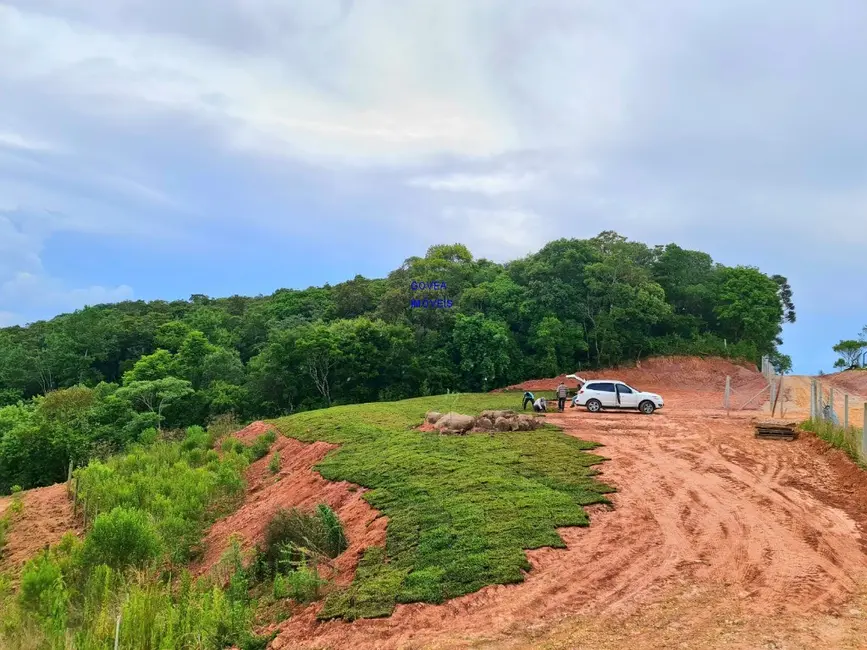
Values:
[(776, 430)]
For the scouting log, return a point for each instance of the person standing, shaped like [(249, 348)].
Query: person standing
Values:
[(561, 397)]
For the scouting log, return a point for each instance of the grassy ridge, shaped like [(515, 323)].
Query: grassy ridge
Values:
[(849, 440), (462, 509)]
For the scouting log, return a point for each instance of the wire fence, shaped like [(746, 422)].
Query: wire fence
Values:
[(843, 432), (83, 510), (845, 428)]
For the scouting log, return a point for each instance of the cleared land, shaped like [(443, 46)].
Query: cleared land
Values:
[(716, 540)]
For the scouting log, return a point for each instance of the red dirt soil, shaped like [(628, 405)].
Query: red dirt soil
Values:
[(852, 381), (716, 540), (46, 517), (690, 373), (296, 484)]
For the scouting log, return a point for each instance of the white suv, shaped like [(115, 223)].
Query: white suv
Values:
[(598, 394)]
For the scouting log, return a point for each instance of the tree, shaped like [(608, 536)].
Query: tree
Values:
[(785, 295), (190, 359), (482, 347), (223, 365), (151, 367), (782, 363), (156, 395), (850, 353), (320, 355), (749, 307)]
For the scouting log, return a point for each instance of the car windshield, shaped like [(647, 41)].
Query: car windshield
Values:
[(634, 389)]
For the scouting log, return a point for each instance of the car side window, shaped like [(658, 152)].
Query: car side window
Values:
[(626, 390), (605, 388)]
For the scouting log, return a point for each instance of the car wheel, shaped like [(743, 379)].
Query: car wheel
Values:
[(594, 405), (647, 407)]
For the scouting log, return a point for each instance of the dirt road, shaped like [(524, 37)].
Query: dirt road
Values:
[(717, 540)]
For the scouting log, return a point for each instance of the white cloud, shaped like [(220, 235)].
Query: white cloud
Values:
[(500, 235), (383, 103), (17, 141), (490, 184)]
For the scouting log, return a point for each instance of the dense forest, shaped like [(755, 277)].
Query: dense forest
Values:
[(89, 383)]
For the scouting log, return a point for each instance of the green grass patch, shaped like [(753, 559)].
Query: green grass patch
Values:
[(849, 440), (462, 509)]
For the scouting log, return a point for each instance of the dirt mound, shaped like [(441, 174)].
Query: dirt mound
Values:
[(46, 517), (692, 373), (852, 381), (296, 484)]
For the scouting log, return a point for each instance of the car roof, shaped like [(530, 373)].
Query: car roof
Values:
[(605, 381)]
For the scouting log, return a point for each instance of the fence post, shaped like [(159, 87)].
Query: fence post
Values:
[(75, 498), (845, 410), (831, 399), (773, 398), (864, 434), (813, 399), (819, 399), (69, 475), (728, 397), (117, 630)]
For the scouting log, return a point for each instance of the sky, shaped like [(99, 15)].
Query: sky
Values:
[(157, 149)]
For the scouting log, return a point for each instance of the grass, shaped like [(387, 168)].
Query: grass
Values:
[(849, 440), (462, 509)]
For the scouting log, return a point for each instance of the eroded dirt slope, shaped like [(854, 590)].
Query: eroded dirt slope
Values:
[(689, 373), (296, 484), (46, 517)]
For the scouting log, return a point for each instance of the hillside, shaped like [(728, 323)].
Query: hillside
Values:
[(93, 382), (710, 538)]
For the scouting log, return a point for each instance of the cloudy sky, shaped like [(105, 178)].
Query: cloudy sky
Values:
[(155, 149)]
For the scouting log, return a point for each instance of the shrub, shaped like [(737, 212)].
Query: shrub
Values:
[(292, 535), (42, 590), (335, 538), (122, 538), (196, 438), (223, 425), (148, 436), (274, 465), (302, 585), (261, 445), (233, 445), (17, 504)]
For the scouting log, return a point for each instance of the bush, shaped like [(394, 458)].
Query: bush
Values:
[(196, 438), (292, 536), (17, 504), (148, 436), (274, 465), (122, 538), (261, 445), (335, 538), (42, 590), (302, 585)]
